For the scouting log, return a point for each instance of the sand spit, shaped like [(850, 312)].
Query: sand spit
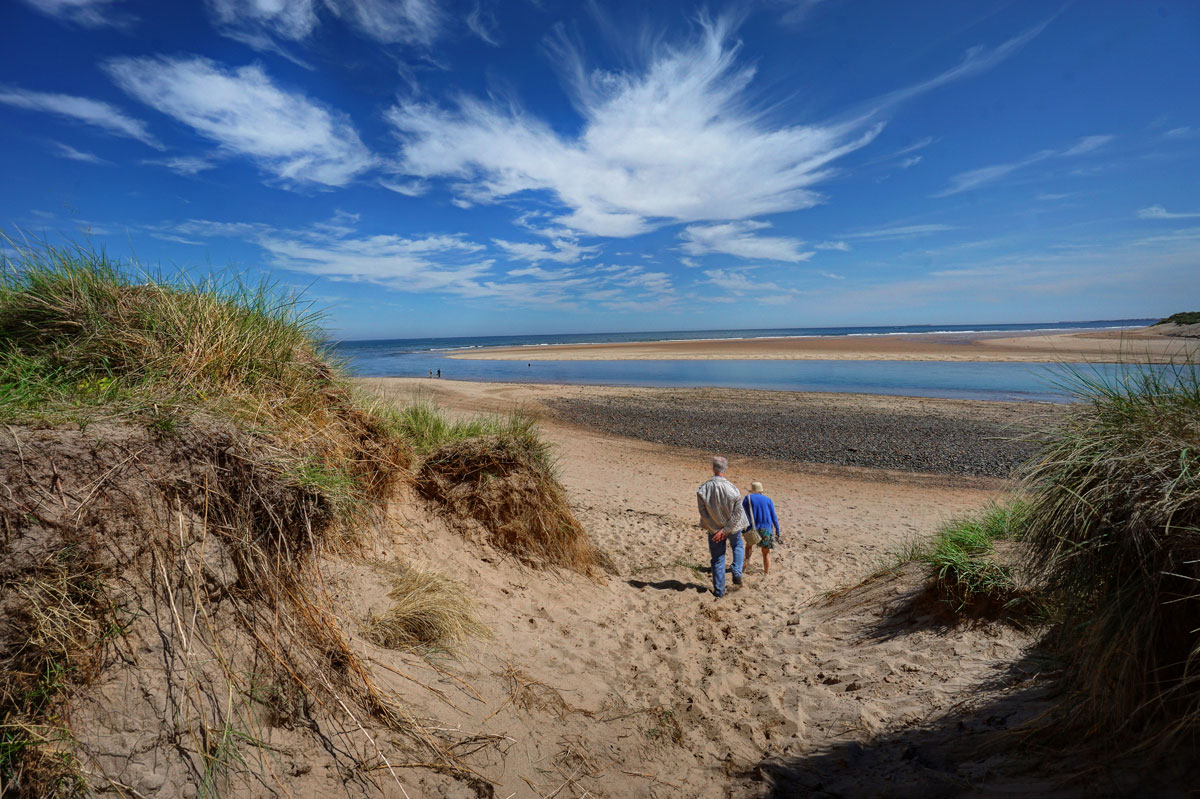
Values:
[(1144, 344)]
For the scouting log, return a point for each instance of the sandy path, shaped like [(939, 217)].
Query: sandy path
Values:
[(687, 694), (1096, 346)]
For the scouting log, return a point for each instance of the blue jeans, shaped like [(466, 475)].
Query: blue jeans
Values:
[(717, 550)]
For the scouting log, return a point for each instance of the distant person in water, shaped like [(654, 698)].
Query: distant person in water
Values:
[(760, 516), (723, 519), (439, 374), (431, 373)]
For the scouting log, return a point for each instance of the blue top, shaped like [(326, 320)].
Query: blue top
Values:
[(760, 510)]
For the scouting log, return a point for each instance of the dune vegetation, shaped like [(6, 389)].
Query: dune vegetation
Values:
[(1113, 537), (1103, 549), (965, 569), (179, 456), (1182, 318)]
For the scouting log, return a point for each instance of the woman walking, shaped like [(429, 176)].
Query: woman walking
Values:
[(760, 513)]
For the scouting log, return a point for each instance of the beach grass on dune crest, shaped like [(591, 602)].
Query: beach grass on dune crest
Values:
[(218, 410), (1113, 534)]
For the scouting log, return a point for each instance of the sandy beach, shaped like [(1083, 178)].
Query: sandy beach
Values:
[(648, 686), (1109, 346)]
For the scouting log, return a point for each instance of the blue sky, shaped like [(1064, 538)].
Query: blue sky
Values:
[(423, 167)]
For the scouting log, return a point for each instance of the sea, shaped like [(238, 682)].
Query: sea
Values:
[(1005, 381)]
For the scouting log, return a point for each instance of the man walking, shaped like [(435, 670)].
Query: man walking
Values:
[(722, 517)]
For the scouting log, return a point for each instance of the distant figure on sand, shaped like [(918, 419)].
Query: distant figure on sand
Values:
[(760, 514), (722, 517)]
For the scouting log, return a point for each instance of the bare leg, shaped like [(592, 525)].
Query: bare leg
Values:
[(766, 560)]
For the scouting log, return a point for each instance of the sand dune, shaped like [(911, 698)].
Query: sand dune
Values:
[(648, 686)]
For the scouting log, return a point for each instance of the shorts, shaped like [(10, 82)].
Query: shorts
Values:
[(766, 538)]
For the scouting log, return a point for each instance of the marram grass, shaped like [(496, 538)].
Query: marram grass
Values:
[(1113, 534)]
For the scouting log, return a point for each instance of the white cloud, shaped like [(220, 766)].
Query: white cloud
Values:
[(448, 264), (1048, 197), (409, 188), (1158, 212), (392, 21), (285, 132), (562, 251), (259, 23), (676, 139), (974, 178), (482, 22), (739, 239), (1185, 132), (69, 152), (88, 13), (905, 231), (976, 60), (184, 164), (739, 282), (672, 142), (841, 246), (907, 162), (99, 114)]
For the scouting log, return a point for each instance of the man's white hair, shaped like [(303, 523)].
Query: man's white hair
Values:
[(720, 464)]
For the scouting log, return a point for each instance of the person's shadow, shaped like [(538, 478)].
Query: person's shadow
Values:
[(669, 585)]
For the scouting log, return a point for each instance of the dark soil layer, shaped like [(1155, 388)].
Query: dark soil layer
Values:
[(940, 436)]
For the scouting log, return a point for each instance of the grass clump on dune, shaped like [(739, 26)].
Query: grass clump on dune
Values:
[(430, 612), (1113, 531), (965, 569), (505, 479)]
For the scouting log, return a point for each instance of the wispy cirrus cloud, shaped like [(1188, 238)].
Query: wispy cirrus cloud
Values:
[(674, 140), (260, 23), (560, 251), (96, 113), (70, 153), (975, 178), (445, 264), (481, 21), (86, 13), (183, 164), (284, 132), (739, 283), (840, 246), (900, 232), (1158, 212), (740, 239)]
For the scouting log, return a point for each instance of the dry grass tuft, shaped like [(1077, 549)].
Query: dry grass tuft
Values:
[(430, 612), (506, 481)]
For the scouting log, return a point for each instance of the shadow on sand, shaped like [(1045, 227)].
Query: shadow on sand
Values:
[(669, 585)]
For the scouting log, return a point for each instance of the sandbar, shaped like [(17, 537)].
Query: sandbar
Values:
[(1094, 346)]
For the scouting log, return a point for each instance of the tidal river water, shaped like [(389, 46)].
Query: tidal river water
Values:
[(962, 380)]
